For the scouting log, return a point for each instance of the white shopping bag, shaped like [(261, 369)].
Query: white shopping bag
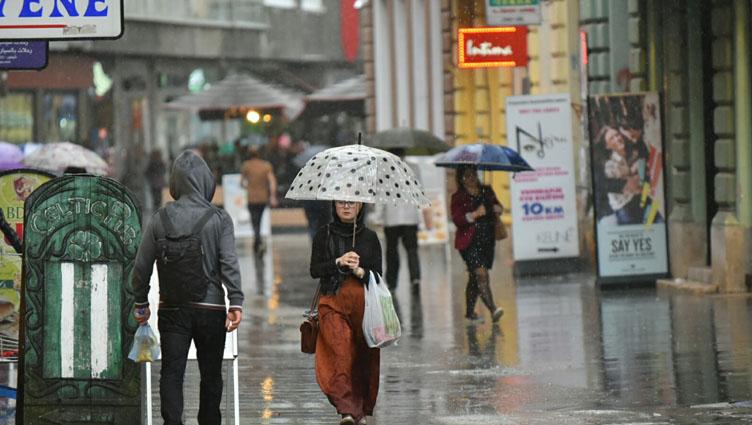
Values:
[(381, 325), (145, 346)]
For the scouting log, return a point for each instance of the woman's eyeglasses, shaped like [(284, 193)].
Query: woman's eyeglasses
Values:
[(345, 203)]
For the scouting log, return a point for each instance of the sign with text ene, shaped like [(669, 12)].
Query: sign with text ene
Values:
[(513, 12), (60, 19), (491, 47), (544, 206)]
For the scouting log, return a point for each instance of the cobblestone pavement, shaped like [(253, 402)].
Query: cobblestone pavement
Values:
[(564, 353)]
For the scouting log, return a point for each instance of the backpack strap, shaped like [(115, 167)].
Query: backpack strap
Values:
[(202, 221), (166, 223)]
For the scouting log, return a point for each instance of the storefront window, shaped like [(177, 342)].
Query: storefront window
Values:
[(17, 118), (60, 117)]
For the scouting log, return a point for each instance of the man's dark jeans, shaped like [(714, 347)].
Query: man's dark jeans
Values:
[(256, 211), (207, 329), (409, 236)]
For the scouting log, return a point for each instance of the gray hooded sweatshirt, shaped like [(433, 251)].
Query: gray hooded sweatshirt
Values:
[(192, 185)]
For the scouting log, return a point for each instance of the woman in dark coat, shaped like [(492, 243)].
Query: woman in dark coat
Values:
[(475, 210), (347, 370)]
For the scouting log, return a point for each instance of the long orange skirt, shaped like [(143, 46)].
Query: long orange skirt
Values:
[(347, 370)]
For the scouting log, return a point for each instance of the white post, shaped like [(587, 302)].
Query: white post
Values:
[(147, 365)]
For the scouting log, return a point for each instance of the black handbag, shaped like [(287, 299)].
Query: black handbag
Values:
[(309, 329)]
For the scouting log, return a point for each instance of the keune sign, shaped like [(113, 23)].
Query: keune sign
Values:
[(490, 47), (25, 20)]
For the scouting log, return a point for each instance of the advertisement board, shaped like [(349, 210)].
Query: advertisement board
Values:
[(492, 47), (15, 187), (627, 170), (544, 207), (60, 20), (513, 12)]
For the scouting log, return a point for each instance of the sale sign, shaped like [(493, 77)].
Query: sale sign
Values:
[(492, 47), (544, 207)]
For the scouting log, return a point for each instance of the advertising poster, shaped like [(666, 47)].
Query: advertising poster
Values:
[(513, 12), (236, 205), (544, 207), (432, 228), (627, 170), (15, 187)]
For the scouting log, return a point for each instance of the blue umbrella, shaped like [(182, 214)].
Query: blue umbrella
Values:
[(484, 156)]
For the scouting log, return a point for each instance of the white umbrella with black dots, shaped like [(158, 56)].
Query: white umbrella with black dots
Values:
[(358, 173)]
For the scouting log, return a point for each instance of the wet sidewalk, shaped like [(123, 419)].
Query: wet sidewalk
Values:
[(564, 352)]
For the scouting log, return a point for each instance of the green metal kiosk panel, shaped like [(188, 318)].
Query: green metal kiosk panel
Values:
[(82, 234)]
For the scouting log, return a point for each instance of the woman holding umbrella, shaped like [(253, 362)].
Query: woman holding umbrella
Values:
[(475, 210), (347, 370)]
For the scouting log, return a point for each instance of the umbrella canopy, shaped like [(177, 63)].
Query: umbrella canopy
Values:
[(484, 156), (241, 91), (357, 173), (411, 139), (350, 89), (10, 156), (59, 156), (308, 153)]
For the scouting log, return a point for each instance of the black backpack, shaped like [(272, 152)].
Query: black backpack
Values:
[(180, 263)]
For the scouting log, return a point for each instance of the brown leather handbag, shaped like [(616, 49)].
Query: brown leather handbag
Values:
[(309, 329), (500, 230)]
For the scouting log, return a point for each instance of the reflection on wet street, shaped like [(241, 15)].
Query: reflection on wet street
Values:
[(564, 352)]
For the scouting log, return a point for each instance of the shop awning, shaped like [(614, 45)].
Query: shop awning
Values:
[(241, 92), (346, 90)]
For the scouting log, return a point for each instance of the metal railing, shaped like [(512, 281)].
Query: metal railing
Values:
[(198, 12)]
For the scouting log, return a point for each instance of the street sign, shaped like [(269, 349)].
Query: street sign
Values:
[(491, 47), (60, 19), (544, 207), (513, 12), (23, 55), (80, 240)]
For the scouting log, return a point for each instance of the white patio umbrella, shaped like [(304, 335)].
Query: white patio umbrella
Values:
[(59, 156)]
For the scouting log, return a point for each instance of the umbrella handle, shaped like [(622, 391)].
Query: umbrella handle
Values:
[(355, 226)]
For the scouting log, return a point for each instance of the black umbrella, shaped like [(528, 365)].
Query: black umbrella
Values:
[(413, 140)]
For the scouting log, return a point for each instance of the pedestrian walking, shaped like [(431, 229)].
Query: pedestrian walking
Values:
[(193, 244), (155, 177), (347, 370), (474, 209), (261, 186)]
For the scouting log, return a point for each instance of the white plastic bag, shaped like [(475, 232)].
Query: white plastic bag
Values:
[(381, 325), (145, 345)]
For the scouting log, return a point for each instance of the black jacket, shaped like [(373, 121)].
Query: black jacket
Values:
[(335, 239)]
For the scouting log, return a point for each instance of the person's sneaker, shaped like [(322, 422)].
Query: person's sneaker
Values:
[(497, 314), (347, 420), (474, 319)]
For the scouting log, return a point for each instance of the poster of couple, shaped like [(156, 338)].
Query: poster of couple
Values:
[(628, 187)]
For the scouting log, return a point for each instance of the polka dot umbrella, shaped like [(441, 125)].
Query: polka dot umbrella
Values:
[(358, 173)]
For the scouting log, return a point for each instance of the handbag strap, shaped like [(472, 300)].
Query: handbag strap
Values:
[(315, 300)]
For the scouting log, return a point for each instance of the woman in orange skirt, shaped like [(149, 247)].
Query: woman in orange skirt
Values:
[(347, 370)]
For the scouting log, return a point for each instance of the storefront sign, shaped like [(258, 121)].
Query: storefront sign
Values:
[(544, 207), (627, 168), (60, 19), (513, 12), (23, 55), (492, 47)]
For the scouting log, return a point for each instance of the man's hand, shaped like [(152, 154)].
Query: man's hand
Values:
[(233, 320), (142, 315)]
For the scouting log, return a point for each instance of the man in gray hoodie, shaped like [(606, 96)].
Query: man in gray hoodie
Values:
[(205, 322)]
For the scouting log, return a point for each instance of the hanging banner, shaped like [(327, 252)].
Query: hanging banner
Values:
[(544, 207), (15, 187), (513, 12), (627, 169), (60, 20)]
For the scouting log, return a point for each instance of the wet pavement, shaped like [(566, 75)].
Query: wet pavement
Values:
[(564, 352)]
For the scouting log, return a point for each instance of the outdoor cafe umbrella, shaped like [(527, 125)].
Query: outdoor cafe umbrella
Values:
[(10, 156), (411, 139), (357, 173), (484, 156), (59, 156)]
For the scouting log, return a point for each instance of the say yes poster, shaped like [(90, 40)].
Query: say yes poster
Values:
[(627, 165), (544, 207)]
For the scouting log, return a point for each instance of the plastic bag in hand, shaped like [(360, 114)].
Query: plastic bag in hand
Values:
[(381, 326), (145, 345)]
